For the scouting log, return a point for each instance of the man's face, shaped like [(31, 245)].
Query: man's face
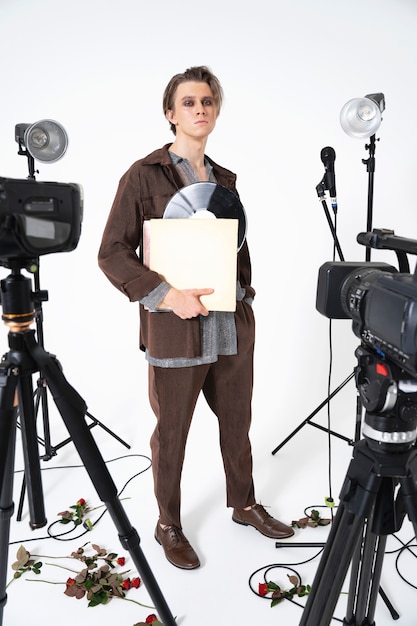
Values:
[(195, 111)]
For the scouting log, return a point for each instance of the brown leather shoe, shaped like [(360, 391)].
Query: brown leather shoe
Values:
[(176, 546), (262, 521)]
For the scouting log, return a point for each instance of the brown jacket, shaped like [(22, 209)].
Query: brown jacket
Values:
[(143, 193)]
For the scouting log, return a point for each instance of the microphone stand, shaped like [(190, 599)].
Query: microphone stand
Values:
[(321, 192)]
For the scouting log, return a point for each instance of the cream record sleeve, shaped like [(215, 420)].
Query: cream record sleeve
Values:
[(195, 254)]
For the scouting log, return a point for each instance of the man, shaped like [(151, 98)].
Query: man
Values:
[(189, 350)]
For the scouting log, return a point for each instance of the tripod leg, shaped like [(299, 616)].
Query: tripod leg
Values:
[(365, 578), (6, 512), (383, 520), (21, 500), (8, 419), (354, 577), (73, 410), (333, 567), (358, 499), (39, 400), (407, 497), (42, 401), (33, 480), (375, 587)]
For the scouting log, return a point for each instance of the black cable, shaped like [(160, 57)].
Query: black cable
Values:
[(329, 445), (405, 547), (329, 499), (63, 536), (268, 568), (329, 380)]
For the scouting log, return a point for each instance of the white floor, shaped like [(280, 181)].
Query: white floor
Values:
[(219, 592)]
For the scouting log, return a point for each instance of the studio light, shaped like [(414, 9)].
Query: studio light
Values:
[(361, 117), (44, 141)]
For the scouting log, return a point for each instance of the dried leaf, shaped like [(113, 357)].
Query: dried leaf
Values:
[(301, 523), (23, 556)]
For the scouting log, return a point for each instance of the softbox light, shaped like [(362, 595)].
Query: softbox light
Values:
[(45, 140), (361, 117)]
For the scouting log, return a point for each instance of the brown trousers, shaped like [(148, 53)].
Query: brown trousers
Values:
[(227, 386)]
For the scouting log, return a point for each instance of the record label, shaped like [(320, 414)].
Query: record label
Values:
[(205, 199)]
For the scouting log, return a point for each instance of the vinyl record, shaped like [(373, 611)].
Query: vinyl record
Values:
[(206, 199)]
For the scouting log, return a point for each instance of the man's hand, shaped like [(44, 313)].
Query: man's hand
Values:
[(186, 303)]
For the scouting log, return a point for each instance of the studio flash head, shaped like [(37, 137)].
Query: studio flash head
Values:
[(45, 141)]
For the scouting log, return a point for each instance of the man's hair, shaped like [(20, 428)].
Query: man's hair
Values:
[(199, 74)]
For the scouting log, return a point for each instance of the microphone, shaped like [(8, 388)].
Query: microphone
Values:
[(328, 157)]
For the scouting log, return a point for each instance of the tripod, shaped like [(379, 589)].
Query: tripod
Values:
[(369, 511), (41, 399), (26, 357)]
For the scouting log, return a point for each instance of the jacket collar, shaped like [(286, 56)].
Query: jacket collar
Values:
[(161, 157)]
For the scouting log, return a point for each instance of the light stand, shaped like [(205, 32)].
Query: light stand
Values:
[(360, 118), (370, 168), (41, 399)]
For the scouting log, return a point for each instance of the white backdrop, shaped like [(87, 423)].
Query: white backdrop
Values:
[(287, 68)]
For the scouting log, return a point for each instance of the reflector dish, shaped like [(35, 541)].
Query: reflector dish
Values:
[(360, 118), (46, 140)]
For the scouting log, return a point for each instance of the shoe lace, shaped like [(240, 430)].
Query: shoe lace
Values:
[(176, 535), (264, 513)]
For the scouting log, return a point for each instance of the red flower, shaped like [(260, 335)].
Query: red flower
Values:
[(121, 560), (126, 584), (81, 502), (151, 619), (136, 582), (263, 589), (70, 582)]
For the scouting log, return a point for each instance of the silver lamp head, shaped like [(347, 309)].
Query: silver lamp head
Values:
[(361, 117), (45, 140)]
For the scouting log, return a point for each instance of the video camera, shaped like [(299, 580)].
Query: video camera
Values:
[(381, 301), (38, 218)]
